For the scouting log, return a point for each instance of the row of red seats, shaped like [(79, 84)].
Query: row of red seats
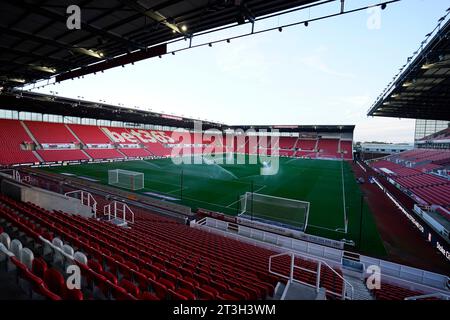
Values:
[(393, 292), (50, 133), (62, 155), (47, 282), (104, 153), (80, 231), (50, 283), (438, 195), (430, 188), (136, 152), (422, 180)]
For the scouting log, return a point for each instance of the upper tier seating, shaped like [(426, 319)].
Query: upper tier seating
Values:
[(12, 135), (47, 132), (89, 134)]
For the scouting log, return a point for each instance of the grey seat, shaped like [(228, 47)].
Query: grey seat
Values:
[(4, 238), (16, 248), (80, 257), (27, 257)]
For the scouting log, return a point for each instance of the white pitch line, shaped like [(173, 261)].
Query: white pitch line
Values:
[(177, 190), (240, 199), (325, 228), (259, 189)]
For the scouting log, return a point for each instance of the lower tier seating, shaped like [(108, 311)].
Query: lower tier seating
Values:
[(62, 155), (136, 152), (103, 153)]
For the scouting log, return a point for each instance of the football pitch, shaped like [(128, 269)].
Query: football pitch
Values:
[(329, 186)]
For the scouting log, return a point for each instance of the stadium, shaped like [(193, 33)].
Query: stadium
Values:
[(101, 201)]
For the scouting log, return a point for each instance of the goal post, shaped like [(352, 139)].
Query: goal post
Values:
[(126, 179), (275, 209)]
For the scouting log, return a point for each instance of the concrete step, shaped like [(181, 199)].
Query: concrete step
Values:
[(360, 289)]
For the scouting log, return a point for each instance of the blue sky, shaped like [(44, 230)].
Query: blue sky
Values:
[(327, 73)]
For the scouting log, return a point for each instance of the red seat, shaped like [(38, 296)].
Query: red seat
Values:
[(158, 288), (185, 284), (73, 294), (141, 279), (110, 277), (96, 266), (54, 281), (148, 274), (176, 296), (169, 276), (148, 296), (227, 296), (186, 293), (167, 283), (130, 287), (39, 266), (221, 286), (241, 294), (44, 291), (211, 290), (120, 293), (204, 294)]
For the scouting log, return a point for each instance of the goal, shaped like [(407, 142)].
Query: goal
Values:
[(126, 179), (283, 211)]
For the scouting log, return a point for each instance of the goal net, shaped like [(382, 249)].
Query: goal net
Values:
[(283, 211), (126, 179)]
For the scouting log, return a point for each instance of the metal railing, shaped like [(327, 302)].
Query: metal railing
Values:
[(86, 198), (440, 296), (118, 208), (347, 288)]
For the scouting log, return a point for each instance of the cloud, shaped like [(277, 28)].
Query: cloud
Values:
[(317, 62), (244, 60), (385, 129)]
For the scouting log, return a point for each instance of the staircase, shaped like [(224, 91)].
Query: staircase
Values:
[(316, 146), (125, 157), (360, 289), (38, 156), (29, 133), (73, 133), (86, 154)]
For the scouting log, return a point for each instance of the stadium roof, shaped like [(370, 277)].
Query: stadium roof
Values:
[(297, 128), (48, 104), (25, 101), (35, 42), (421, 90)]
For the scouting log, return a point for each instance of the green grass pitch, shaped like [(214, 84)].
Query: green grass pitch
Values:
[(218, 187)]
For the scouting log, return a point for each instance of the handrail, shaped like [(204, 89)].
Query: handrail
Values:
[(65, 254), (202, 221), (396, 273), (320, 262), (430, 295), (84, 195)]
